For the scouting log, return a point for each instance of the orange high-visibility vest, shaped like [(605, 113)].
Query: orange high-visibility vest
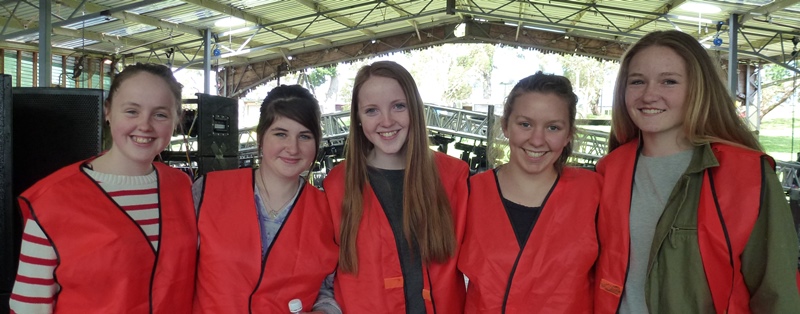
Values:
[(232, 276), (106, 264)]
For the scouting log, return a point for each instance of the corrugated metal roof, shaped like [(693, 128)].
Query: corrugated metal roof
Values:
[(289, 26)]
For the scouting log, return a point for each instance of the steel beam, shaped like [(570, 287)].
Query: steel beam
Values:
[(81, 18), (252, 18), (733, 56), (207, 62), (45, 33), (767, 9)]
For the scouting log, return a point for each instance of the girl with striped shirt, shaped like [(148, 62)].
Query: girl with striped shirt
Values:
[(114, 233)]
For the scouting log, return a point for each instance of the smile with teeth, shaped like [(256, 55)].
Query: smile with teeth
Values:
[(534, 154), (142, 140), (387, 134), (651, 111)]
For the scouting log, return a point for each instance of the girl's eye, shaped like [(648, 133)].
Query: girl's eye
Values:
[(670, 82), (525, 124), (306, 137), (635, 82), (371, 111), (400, 106), (553, 128)]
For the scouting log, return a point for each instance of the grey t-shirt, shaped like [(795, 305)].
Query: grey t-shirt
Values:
[(654, 180)]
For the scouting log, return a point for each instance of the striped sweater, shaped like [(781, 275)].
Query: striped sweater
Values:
[(35, 288)]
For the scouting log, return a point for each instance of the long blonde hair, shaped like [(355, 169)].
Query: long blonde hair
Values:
[(426, 209), (710, 115)]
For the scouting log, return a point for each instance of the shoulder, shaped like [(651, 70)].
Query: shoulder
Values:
[(171, 173), (312, 191), (618, 156), (584, 177), (449, 163), (57, 179), (337, 172), (721, 149), (225, 174), (482, 176), (734, 157)]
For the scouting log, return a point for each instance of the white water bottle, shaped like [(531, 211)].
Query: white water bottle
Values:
[(295, 306)]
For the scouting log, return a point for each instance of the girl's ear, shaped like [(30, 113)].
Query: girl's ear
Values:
[(106, 110)]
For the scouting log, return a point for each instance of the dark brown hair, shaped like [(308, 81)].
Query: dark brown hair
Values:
[(291, 102)]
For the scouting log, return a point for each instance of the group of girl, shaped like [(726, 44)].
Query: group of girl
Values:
[(684, 215)]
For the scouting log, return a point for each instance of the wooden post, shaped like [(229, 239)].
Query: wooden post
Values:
[(19, 68), (64, 71), (102, 72), (35, 72), (88, 71)]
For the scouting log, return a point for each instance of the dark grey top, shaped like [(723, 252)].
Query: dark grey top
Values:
[(388, 187)]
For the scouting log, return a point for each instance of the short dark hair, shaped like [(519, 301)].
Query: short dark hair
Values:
[(292, 102)]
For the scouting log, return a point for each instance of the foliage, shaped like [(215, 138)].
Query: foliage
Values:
[(319, 76), (777, 87), (587, 76)]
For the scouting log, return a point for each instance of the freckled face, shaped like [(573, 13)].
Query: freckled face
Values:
[(384, 116), (142, 115), (656, 91)]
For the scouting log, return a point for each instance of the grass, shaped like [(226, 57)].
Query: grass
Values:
[(776, 138)]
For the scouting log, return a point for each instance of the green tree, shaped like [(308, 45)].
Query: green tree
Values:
[(587, 76), (779, 87)]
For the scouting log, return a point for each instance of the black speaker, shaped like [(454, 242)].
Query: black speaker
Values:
[(206, 164), (9, 218), (218, 126), (217, 133), (54, 127)]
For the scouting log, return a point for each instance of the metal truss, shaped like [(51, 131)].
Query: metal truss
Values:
[(442, 122), (570, 13), (458, 122), (787, 173)]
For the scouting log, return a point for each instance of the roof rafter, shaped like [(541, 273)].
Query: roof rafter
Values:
[(776, 5), (580, 14), (319, 8), (252, 18), (138, 18), (127, 41), (141, 19), (664, 9), (403, 13)]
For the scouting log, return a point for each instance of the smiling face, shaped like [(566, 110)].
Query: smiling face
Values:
[(384, 116), (142, 115), (656, 92), (537, 129), (288, 148)]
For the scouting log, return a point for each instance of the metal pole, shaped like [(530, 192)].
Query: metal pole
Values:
[(733, 56), (45, 31), (207, 62)]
